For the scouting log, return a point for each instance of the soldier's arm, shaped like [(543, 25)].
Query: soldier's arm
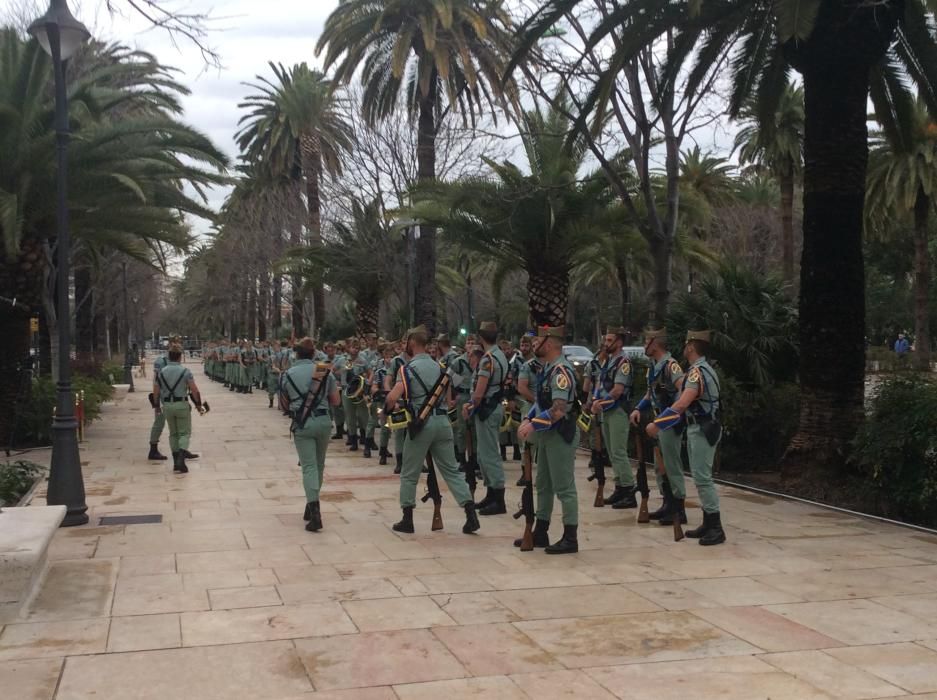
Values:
[(196, 394), (394, 396), (523, 388), (334, 397), (670, 417)]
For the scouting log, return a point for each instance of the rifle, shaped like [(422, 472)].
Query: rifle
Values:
[(433, 492), (311, 400), (643, 515), (429, 404), (677, 527), (527, 501), (599, 474), (471, 463)]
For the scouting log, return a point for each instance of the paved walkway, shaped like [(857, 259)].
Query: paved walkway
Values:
[(230, 598)]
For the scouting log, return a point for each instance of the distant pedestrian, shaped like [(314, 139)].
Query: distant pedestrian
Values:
[(902, 348)]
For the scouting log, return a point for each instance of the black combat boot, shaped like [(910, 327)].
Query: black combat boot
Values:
[(384, 454), (178, 463), (520, 480), (697, 533), (250, 390), (541, 534), (504, 452), (189, 455), (471, 519), (615, 496), (353, 443), (270, 402), (486, 500), (568, 544), (715, 534), (677, 509), (367, 448), (399, 467), (495, 505), (225, 385), (339, 431), (315, 517), (666, 505), (628, 500), (517, 453), (155, 454), (406, 523), (308, 512)]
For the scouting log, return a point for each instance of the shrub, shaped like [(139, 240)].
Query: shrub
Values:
[(35, 420), (897, 449), (759, 423), (16, 478)]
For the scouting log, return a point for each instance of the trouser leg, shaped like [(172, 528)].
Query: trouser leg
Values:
[(670, 441), (615, 429), (414, 455), (311, 443), (444, 460), (159, 422), (701, 455), (351, 415), (543, 482), (562, 474), (489, 452)]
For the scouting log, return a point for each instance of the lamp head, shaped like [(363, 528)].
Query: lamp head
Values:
[(72, 33)]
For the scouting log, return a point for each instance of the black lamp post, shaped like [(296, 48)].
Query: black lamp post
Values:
[(60, 35), (128, 353)]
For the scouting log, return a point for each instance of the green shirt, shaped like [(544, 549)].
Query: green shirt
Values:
[(493, 365), (425, 368), (297, 383), (562, 384), (173, 381), (702, 376)]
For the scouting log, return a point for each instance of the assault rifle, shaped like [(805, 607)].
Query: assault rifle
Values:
[(677, 527), (311, 400), (599, 465), (471, 462), (643, 488), (433, 492), (527, 501), (429, 404)]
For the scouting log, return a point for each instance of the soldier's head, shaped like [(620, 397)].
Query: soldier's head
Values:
[(475, 356), (505, 345), (470, 342), (443, 343), (388, 351), (306, 348), (354, 347), (614, 339), (525, 345), (697, 345), (371, 339), (432, 349), (329, 348), (416, 340), (488, 332), (549, 343), (276, 345), (655, 342), (175, 353)]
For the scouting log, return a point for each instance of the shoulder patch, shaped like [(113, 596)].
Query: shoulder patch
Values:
[(694, 376), (562, 381), (675, 367), (625, 367)]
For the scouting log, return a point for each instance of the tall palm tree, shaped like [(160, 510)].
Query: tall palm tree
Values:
[(436, 56), (543, 223), (295, 126), (777, 147), (846, 51), (903, 181)]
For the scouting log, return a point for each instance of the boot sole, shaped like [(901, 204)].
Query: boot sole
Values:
[(561, 551), (497, 511), (710, 543), (406, 530)]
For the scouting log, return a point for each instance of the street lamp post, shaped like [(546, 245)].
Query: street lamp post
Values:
[(60, 35), (128, 353)]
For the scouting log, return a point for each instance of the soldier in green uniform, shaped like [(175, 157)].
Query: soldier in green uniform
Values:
[(312, 438), (485, 408), (663, 378), (159, 420), (338, 412), (462, 389), (528, 369), (273, 372), (552, 425), (699, 404), (354, 374), (611, 398), (378, 395), (172, 386), (400, 436), (414, 383), (247, 358)]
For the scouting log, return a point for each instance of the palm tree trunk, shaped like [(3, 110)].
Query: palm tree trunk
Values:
[(786, 181), (263, 297), (296, 282), (251, 309), (19, 279), (312, 171), (367, 311), (921, 283), (835, 66), (547, 297), (624, 292), (275, 315), (662, 252), (425, 302)]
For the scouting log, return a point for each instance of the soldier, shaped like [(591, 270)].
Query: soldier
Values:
[(700, 404), (338, 412), (273, 372), (509, 437), (663, 378), (312, 438), (528, 369), (247, 358), (378, 395), (159, 420), (172, 386), (611, 398), (414, 382), (370, 352), (485, 408), (444, 348), (550, 423), (400, 436), (354, 374), (462, 389)]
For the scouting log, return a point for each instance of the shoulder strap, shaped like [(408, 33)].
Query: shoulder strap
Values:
[(172, 389)]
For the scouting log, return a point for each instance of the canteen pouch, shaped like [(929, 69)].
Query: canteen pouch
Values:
[(711, 429), (567, 429), (487, 407)]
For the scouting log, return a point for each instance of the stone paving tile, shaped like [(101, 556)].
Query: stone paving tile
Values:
[(396, 614), (75, 590), (250, 597), (765, 629), (52, 639), (498, 649), (325, 591), (33, 679), (500, 687), (672, 595), (839, 679), (265, 670), (733, 678), (856, 622), (839, 585), (264, 624), (740, 591), (144, 632), (905, 665), (537, 579), (575, 601), (622, 639), (560, 685), (377, 658), (475, 608)]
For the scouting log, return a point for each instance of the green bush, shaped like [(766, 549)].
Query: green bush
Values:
[(16, 478), (897, 449), (759, 423), (35, 420)]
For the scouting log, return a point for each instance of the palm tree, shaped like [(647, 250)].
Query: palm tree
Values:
[(426, 53), (543, 223), (845, 51), (903, 181), (295, 126), (777, 147)]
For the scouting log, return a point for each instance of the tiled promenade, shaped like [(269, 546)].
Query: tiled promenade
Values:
[(230, 598)]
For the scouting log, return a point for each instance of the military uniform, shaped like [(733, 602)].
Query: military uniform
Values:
[(509, 436), (312, 439), (487, 417), (462, 389), (400, 436), (247, 359), (173, 383), (378, 394), (159, 420), (557, 442), (356, 411), (338, 412), (617, 371)]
